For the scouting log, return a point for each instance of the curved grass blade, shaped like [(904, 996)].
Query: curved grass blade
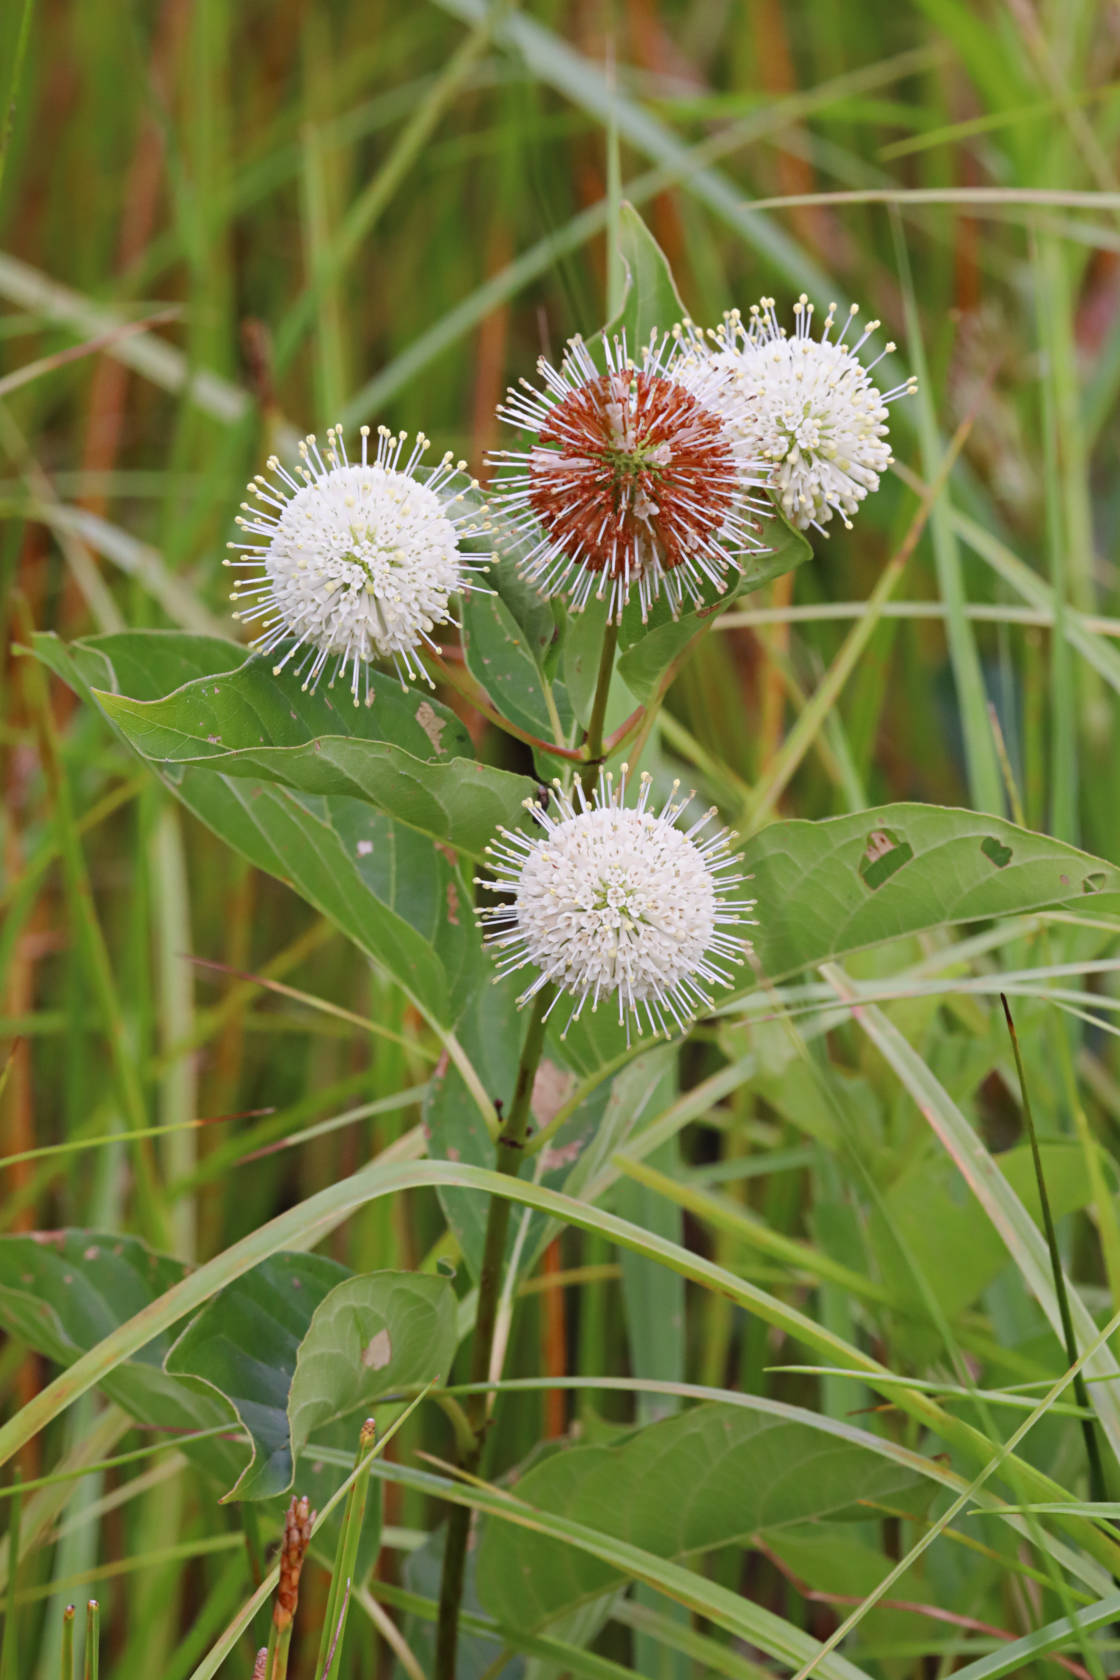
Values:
[(747, 1621), (1024, 1241), (312, 1220)]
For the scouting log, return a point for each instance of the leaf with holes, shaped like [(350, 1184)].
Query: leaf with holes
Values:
[(708, 1477), (828, 888)]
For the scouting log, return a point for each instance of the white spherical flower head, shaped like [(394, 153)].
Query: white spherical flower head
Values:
[(633, 481), (354, 561), (616, 901), (808, 407)]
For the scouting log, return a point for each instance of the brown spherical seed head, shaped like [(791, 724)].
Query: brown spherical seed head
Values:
[(629, 465)]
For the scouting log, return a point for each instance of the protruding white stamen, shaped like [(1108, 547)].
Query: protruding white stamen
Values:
[(633, 482), (805, 405), (616, 902), (356, 562)]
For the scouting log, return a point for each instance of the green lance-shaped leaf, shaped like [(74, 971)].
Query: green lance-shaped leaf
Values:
[(651, 302), (507, 634), (499, 657), (295, 1344), (396, 894), (828, 888), (344, 1572), (708, 1477), (407, 755)]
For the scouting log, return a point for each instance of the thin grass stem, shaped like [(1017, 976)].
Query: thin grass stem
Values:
[(1097, 1478)]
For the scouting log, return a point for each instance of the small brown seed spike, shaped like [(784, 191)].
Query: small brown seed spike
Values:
[(298, 1524)]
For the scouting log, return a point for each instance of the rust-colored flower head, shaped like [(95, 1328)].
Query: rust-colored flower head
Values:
[(633, 481)]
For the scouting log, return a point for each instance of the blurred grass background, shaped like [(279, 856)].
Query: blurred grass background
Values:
[(386, 213)]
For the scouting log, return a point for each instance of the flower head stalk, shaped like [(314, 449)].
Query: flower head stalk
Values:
[(633, 481), (617, 902), (353, 561), (806, 406)]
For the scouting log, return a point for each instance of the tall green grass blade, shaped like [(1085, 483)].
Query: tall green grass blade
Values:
[(342, 1574), (1092, 1450), (1052, 303), (162, 363), (334, 254), (66, 1660), (1025, 1243), (813, 716), (572, 75), (9, 1645), (93, 1640), (1014, 1658), (852, 1621), (99, 971), (12, 89), (984, 779)]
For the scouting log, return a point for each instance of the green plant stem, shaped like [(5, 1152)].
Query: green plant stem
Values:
[(593, 746), (279, 1645), (66, 1668), (342, 1575), (9, 1646), (510, 1149), (99, 969), (1097, 1483), (93, 1640), (8, 115)]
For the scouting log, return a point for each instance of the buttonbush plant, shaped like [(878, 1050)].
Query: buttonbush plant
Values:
[(702, 1256)]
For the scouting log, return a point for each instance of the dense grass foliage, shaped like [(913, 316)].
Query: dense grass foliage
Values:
[(784, 1291)]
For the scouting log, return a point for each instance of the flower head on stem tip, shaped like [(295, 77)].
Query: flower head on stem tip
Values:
[(805, 405), (352, 561), (633, 481), (616, 901)]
